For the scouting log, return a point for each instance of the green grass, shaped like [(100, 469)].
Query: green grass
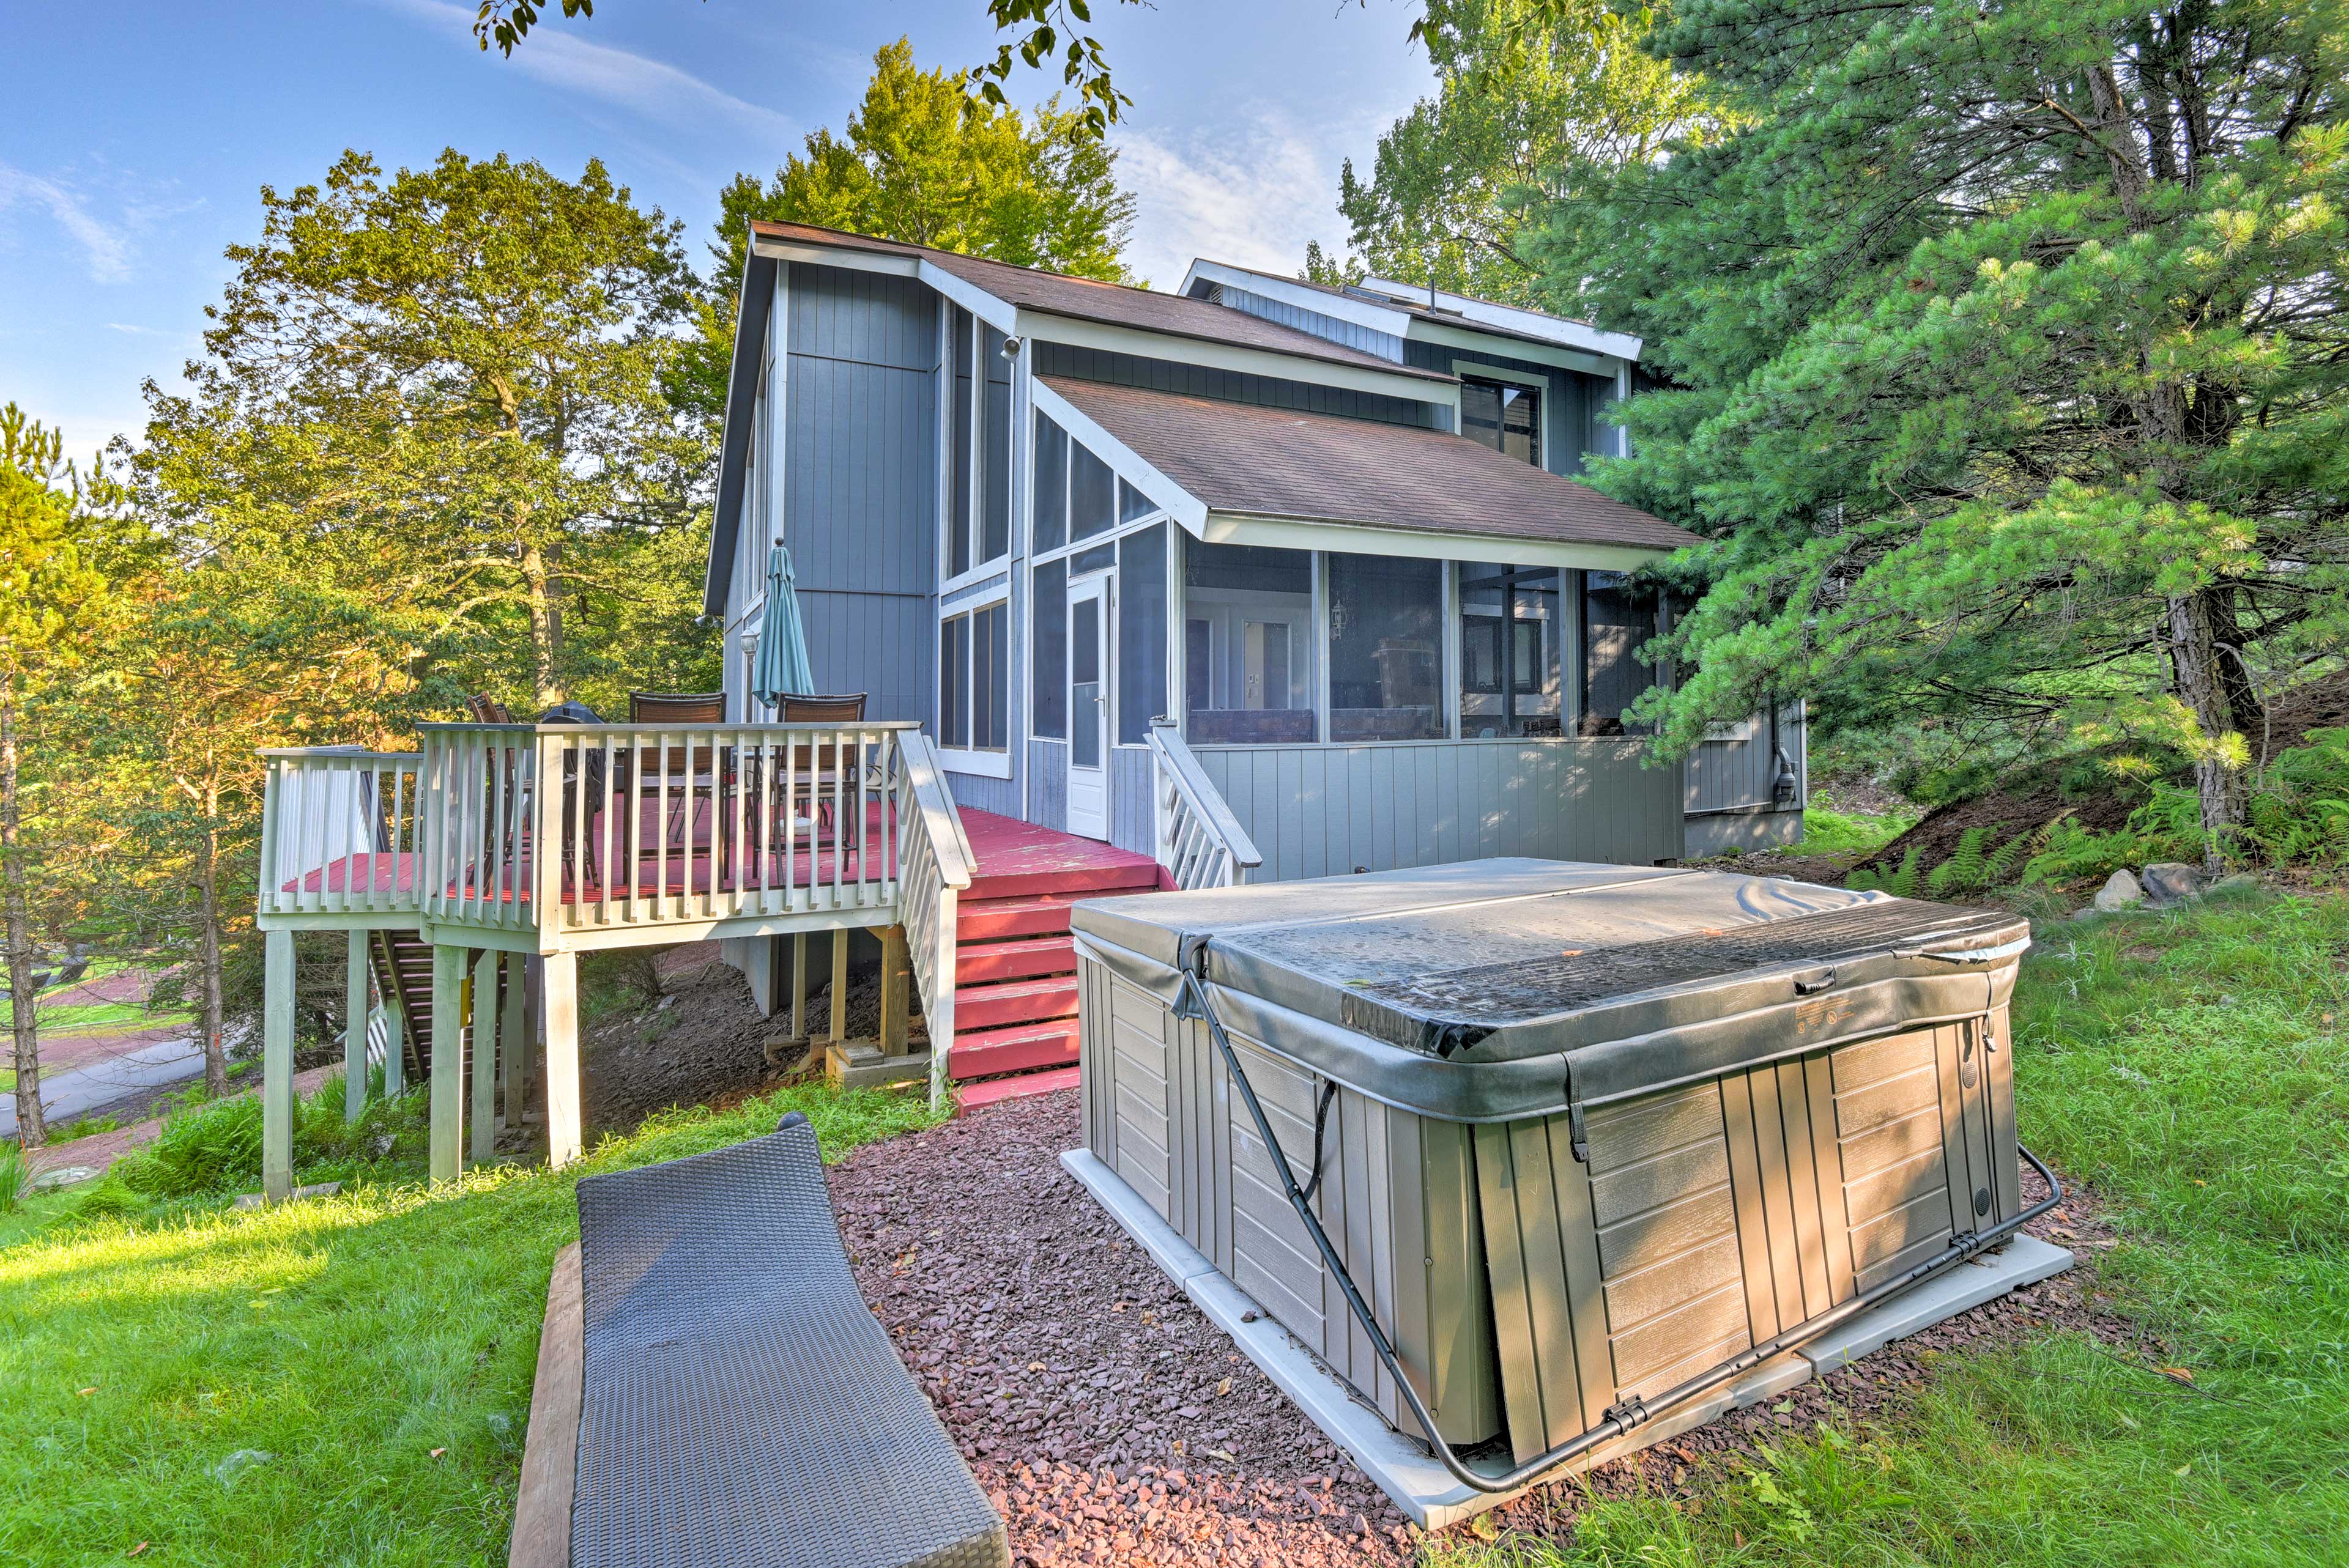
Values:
[(1827, 831), (378, 1347), (2192, 1067)]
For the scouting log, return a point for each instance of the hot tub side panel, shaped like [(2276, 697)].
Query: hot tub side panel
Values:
[(1713, 1217)]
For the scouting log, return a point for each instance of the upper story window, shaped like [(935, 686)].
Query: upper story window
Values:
[(1504, 416), (978, 432)]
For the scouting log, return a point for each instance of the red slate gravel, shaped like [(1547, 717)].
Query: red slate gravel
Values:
[(1111, 1422)]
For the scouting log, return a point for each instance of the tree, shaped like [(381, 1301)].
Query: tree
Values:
[(924, 162), (45, 581), (1084, 67), (2008, 346), (1533, 100), (448, 388)]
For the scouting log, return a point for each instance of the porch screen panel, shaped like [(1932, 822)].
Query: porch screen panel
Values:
[(1140, 632), (1503, 416), (1050, 527), (954, 675), (1092, 493), (1247, 644), (1510, 656), (1386, 649), (1131, 504), (1618, 620), (959, 549), (995, 518), (991, 679), (1048, 622)]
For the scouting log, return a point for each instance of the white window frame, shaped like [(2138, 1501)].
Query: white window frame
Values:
[(988, 763), (979, 571)]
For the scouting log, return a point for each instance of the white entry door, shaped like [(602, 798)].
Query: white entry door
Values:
[(1088, 708)]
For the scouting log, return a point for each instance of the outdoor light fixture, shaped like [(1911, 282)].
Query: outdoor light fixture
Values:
[(1012, 348)]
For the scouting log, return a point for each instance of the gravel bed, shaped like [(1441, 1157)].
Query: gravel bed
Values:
[(1111, 1423)]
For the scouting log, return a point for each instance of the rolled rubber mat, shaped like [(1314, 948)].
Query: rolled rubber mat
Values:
[(742, 1408)]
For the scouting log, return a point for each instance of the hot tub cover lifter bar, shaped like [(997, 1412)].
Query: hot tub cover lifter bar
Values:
[(1633, 1412)]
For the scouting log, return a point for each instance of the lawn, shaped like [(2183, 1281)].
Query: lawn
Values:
[(339, 1381), (2193, 1069)]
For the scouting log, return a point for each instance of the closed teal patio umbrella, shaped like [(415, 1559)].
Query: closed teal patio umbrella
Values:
[(781, 668)]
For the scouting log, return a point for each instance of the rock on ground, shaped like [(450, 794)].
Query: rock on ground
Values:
[(2120, 891)]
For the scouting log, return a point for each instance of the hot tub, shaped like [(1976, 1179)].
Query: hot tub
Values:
[(1574, 1135)]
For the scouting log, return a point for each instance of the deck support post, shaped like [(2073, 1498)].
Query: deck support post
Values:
[(356, 1012), (839, 987), (896, 980), (559, 982), (277, 1066), (798, 985), (448, 1109), (485, 1057), (514, 1069), (395, 1057)]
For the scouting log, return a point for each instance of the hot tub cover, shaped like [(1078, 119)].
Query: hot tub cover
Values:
[(1491, 989)]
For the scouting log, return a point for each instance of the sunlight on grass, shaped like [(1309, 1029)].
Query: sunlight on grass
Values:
[(2191, 1067), (377, 1347)]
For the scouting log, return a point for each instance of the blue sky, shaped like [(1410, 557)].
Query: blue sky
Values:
[(136, 146)]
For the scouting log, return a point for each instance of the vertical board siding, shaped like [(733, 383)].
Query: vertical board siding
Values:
[(1233, 385), (1571, 428), (1047, 788), (977, 792), (1352, 335), (860, 501), (1132, 773), (1317, 810)]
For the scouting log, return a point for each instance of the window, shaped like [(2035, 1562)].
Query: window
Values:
[(1386, 649), (1618, 620), (1092, 493), (1140, 632), (1510, 653), (1504, 416), (1050, 529), (975, 680), (1247, 638), (1048, 620), (978, 430)]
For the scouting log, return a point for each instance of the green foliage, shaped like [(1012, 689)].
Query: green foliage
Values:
[(1906, 879), (13, 1177), (1532, 96), (214, 1146), (1975, 867), (1827, 831), (923, 162), (379, 1344), (84, 1127), (2191, 1069), (2003, 377)]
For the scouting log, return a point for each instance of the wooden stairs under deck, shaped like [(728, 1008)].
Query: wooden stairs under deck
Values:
[(1015, 961)]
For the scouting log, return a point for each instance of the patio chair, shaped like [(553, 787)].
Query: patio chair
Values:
[(596, 789), (694, 768), (713, 1390)]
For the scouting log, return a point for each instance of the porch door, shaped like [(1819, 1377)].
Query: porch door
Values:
[(1089, 707)]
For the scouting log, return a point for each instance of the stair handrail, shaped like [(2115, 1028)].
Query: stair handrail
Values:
[(1200, 843), (935, 865)]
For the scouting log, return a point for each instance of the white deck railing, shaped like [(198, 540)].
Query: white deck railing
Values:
[(938, 865), (1200, 843), (340, 828)]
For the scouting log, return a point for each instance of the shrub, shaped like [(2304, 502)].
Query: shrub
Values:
[(1904, 881), (216, 1147)]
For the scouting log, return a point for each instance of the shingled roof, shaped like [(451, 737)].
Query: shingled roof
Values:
[(1251, 460), (1113, 304)]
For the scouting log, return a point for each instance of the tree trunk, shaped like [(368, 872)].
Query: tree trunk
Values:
[(208, 956), (2200, 682), (545, 625), (31, 1130)]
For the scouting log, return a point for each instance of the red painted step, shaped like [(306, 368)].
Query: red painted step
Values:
[(1014, 1002), (1139, 876), (991, 919), (1013, 1049), (993, 1089), (977, 964)]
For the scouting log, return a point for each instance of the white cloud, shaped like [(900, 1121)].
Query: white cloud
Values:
[(1250, 192), (644, 86), (102, 247), (134, 331)]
